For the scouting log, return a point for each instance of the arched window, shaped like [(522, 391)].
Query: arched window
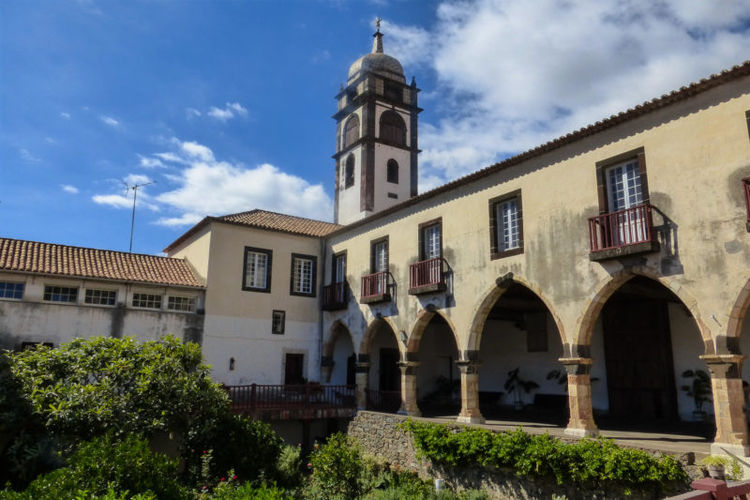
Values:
[(392, 171), (392, 128), (351, 131), (349, 171)]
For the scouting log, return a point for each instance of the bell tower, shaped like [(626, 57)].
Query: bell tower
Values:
[(376, 136)]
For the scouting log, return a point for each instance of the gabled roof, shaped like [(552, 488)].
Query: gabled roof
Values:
[(63, 260), (263, 219)]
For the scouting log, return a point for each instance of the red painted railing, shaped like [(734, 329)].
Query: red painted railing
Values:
[(334, 296), (622, 228), (374, 285), (252, 397), (746, 185), (385, 401), (425, 273), (714, 489)]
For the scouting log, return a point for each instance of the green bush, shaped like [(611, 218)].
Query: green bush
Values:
[(289, 467), (337, 469), (250, 447), (589, 461), (88, 387), (104, 466), (248, 491)]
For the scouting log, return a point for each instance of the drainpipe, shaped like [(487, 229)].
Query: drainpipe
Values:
[(321, 284)]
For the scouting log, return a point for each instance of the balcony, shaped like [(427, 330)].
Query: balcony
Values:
[(291, 402), (625, 232), (376, 288), (335, 296), (426, 276)]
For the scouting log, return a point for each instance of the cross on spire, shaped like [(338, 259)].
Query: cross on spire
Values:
[(377, 43)]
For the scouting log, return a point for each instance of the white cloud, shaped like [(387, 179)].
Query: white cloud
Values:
[(197, 151), (65, 115), (192, 112), (69, 189), (170, 157), (183, 220), (228, 112), (514, 74), (26, 155), (108, 120), (147, 162)]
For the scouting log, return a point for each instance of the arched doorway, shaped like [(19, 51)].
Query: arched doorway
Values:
[(649, 343), (340, 354), (519, 347), (438, 380), (380, 363)]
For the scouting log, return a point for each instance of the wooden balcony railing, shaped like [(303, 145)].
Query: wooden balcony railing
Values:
[(426, 276), (715, 489), (255, 397), (632, 227), (335, 296), (376, 287), (385, 401)]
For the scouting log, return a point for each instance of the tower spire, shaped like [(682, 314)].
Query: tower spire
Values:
[(377, 43)]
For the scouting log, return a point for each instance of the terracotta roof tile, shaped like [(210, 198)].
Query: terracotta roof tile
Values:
[(64, 260), (280, 222)]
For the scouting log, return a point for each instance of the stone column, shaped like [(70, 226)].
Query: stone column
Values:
[(581, 423), (726, 385), (409, 404), (470, 413), (361, 379)]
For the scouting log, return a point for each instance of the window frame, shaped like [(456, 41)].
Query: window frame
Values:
[(373, 244), (147, 307), (3, 286), (391, 139), (281, 314), (47, 295), (391, 166), (313, 276), (100, 291), (495, 252), (349, 179), (421, 237), (334, 268), (348, 127), (602, 168), (269, 267), (191, 301)]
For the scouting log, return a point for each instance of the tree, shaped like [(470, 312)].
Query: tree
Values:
[(88, 387)]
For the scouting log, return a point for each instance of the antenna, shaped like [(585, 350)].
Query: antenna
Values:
[(134, 187)]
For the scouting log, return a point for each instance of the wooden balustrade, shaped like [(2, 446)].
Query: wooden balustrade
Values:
[(249, 398), (426, 276), (376, 287), (335, 296)]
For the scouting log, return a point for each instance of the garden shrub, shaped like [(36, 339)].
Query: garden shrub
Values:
[(250, 447), (88, 387), (337, 469), (105, 466), (289, 467), (594, 462), (229, 490)]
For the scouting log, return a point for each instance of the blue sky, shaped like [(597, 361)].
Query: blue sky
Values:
[(226, 105)]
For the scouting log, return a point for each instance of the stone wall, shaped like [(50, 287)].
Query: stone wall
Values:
[(379, 437)]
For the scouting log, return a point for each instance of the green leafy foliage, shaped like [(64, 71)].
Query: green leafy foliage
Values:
[(289, 467), (337, 469), (88, 387), (588, 461), (105, 466), (250, 447)]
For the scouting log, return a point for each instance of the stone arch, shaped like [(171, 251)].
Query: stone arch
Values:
[(371, 330), (608, 286), (738, 312), (420, 325), (337, 329), (490, 299)]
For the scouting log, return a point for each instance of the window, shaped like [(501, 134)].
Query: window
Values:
[(278, 321), (392, 171), (392, 128), (147, 300), (393, 91), (429, 240), (379, 255), (506, 225), (339, 268), (303, 275), (257, 270), (622, 182), (349, 171), (11, 290), (179, 303), (100, 297), (351, 131), (60, 294)]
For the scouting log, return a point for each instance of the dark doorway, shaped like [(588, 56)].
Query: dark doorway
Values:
[(351, 365), (293, 372), (390, 379), (638, 353)]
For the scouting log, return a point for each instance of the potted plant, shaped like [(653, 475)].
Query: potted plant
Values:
[(699, 389), (720, 467), (518, 387)]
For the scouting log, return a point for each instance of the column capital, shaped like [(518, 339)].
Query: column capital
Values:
[(724, 365), (577, 365), (408, 367), (468, 367), (362, 367)]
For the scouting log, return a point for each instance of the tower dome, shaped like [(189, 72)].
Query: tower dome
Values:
[(378, 62)]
